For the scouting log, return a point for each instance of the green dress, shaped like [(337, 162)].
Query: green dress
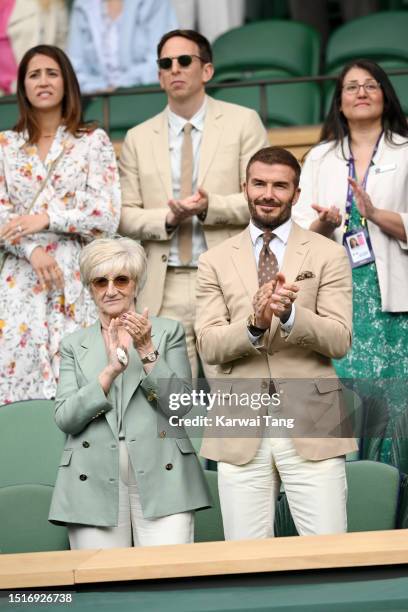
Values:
[(380, 344)]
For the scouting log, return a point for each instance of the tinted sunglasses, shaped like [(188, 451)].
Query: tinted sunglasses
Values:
[(101, 282), (165, 63)]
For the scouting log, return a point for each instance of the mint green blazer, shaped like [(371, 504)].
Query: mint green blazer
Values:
[(168, 473)]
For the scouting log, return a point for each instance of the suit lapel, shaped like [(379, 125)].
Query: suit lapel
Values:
[(211, 138), (92, 360), (295, 252), (161, 152), (244, 262)]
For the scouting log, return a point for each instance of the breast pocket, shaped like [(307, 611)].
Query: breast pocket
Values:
[(307, 294), (185, 446)]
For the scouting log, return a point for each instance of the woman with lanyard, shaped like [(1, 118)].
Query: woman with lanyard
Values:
[(354, 187)]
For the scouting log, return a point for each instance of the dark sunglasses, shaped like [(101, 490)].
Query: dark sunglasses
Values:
[(165, 63), (101, 282)]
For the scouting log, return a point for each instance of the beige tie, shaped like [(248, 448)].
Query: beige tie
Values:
[(185, 230), (268, 266)]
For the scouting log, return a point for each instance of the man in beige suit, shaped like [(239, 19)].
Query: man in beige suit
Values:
[(274, 307), (181, 175)]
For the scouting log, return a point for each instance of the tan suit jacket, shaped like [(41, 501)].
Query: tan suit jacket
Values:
[(231, 135), (226, 284)]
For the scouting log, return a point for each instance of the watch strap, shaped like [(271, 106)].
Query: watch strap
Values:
[(252, 328)]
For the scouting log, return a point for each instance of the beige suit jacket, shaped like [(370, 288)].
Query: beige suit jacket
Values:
[(231, 135), (226, 284)]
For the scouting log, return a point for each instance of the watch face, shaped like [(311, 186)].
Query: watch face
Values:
[(150, 357)]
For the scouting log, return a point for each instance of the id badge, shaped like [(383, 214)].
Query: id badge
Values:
[(358, 246)]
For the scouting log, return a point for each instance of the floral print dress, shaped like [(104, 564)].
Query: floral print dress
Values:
[(82, 199)]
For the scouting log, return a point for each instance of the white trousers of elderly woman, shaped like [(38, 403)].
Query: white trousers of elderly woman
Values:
[(316, 492), (133, 529)]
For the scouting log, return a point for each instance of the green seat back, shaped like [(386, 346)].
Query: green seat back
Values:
[(380, 36), (208, 523), (399, 445), (24, 525), (8, 113), (125, 111), (30, 443), (287, 105), (288, 47), (373, 490)]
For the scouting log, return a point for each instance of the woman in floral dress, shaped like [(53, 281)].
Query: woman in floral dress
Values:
[(59, 189), (355, 188)]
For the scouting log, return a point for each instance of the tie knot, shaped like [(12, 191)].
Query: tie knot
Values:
[(187, 128), (267, 237)]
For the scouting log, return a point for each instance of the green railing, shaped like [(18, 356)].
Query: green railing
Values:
[(262, 84)]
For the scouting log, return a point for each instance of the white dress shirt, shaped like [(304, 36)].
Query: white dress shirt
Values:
[(176, 135), (278, 246)]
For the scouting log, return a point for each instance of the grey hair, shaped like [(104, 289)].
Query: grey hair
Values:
[(113, 256)]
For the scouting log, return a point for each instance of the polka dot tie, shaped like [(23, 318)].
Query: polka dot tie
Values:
[(268, 266)]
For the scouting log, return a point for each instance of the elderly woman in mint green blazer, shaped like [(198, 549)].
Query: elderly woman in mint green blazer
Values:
[(127, 475)]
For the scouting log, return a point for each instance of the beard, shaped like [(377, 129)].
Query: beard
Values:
[(263, 220)]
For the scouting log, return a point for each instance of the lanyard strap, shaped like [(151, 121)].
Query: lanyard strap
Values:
[(352, 174)]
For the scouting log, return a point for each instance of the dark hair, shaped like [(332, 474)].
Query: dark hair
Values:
[(335, 126), (197, 38), (71, 102), (276, 155)]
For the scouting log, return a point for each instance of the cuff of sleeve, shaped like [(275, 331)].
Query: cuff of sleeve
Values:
[(29, 248), (256, 341), (404, 243), (287, 326), (143, 224), (202, 215), (56, 222)]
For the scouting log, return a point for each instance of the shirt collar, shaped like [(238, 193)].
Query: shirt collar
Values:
[(282, 231), (177, 123)]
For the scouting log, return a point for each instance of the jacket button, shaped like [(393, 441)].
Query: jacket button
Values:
[(164, 257), (264, 385), (83, 477), (169, 466), (85, 444), (162, 434), (152, 396)]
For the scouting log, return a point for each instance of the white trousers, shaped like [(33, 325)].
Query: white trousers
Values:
[(211, 17), (133, 529), (316, 492)]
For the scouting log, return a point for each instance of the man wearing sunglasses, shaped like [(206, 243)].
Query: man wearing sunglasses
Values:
[(181, 175)]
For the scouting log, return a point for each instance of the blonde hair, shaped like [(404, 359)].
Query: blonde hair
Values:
[(113, 256)]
